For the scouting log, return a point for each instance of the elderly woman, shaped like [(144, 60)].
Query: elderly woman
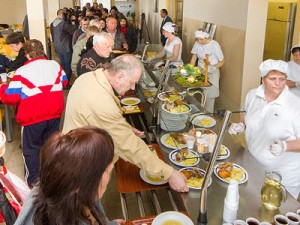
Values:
[(173, 46), (206, 46), (75, 171), (294, 77), (272, 122)]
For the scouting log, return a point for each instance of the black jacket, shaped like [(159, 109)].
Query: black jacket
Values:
[(131, 38), (62, 32), (19, 61)]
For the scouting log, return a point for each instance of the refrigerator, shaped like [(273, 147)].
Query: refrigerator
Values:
[(279, 30)]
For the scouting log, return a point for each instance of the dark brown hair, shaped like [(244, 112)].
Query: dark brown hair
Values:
[(14, 38), (72, 166), (34, 48)]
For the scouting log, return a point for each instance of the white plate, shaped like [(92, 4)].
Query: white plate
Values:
[(197, 119), (176, 113), (135, 101), (160, 95), (195, 168), (243, 179), (172, 157), (163, 138), (147, 180), (172, 215), (225, 155)]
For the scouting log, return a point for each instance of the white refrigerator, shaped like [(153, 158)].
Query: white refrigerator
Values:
[(279, 30)]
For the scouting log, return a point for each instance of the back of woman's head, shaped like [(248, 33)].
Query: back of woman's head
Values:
[(71, 169)]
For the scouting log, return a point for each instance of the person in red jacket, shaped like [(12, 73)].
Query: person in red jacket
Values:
[(37, 90)]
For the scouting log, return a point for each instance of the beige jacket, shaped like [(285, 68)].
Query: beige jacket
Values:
[(91, 101)]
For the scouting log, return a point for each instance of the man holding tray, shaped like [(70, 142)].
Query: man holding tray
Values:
[(93, 100)]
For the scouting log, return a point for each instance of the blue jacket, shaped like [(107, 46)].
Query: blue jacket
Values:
[(5, 63)]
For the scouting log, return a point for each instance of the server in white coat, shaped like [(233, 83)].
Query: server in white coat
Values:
[(272, 122), (294, 77), (203, 46)]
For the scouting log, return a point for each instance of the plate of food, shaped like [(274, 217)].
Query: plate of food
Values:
[(173, 140), (172, 218), (184, 157), (224, 153), (194, 176), (176, 109), (130, 101), (204, 121), (152, 180), (226, 171), (170, 95)]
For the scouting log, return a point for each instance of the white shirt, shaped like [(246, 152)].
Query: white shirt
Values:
[(215, 53), (265, 122), (294, 76), (169, 50)]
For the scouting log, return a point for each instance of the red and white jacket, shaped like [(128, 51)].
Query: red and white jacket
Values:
[(37, 89)]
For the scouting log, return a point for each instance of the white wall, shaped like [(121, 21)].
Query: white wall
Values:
[(230, 13), (12, 11)]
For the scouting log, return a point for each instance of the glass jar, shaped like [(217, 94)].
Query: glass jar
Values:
[(273, 193)]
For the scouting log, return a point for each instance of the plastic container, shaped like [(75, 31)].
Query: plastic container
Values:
[(231, 202)]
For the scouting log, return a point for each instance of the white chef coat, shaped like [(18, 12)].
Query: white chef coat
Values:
[(294, 76), (169, 50), (215, 53), (265, 122)]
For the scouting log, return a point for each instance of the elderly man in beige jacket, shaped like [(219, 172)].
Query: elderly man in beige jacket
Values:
[(93, 100)]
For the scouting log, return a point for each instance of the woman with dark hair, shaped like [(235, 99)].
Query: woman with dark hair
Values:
[(129, 33), (75, 170)]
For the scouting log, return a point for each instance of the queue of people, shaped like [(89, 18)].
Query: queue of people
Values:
[(271, 121)]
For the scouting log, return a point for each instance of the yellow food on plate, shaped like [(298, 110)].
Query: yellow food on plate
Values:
[(171, 222), (195, 182), (205, 122), (172, 142), (179, 109), (154, 179), (187, 162), (171, 97), (130, 102), (222, 150), (236, 174)]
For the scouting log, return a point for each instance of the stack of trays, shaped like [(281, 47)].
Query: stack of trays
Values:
[(171, 121)]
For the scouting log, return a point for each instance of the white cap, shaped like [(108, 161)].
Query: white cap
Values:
[(201, 34), (270, 64), (170, 27), (294, 48)]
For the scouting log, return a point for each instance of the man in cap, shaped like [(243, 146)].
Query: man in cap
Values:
[(294, 77), (272, 124)]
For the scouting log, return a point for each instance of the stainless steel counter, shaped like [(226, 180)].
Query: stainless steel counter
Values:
[(249, 203)]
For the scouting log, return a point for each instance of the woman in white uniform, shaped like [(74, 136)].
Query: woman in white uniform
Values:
[(203, 46), (272, 122), (294, 77), (173, 47)]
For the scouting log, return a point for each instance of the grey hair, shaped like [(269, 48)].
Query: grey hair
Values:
[(101, 38), (126, 63), (94, 22)]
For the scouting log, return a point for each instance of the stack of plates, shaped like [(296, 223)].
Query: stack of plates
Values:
[(170, 121)]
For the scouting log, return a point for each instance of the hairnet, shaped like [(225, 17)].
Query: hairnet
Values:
[(270, 64), (170, 27), (295, 48), (201, 34)]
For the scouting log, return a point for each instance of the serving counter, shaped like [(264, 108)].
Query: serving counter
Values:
[(249, 201)]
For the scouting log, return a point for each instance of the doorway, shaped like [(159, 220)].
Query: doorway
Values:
[(175, 9)]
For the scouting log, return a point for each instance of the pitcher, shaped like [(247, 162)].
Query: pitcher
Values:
[(273, 193)]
